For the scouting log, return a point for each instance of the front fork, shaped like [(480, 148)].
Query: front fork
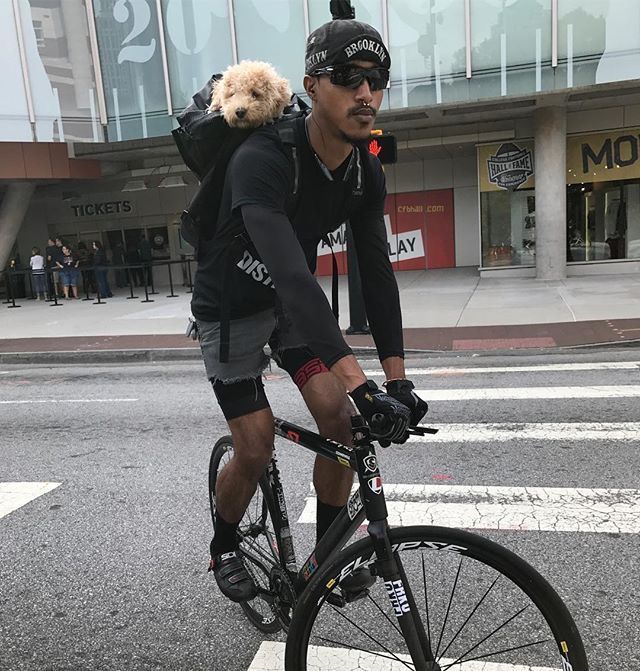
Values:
[(388, 563)]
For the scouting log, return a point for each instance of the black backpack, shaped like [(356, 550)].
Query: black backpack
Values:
[(206, 143)]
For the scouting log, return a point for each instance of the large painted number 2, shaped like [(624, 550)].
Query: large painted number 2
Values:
[(137, 53)]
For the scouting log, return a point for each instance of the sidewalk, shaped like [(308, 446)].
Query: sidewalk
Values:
[(444, 310)]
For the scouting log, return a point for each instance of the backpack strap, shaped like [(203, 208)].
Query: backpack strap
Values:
[(288, 130)]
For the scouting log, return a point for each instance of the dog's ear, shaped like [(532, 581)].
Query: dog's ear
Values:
[(283, 92), (216, 95)]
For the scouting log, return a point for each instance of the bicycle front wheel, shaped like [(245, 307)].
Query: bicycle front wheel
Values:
[(256, 539), (481, 606)]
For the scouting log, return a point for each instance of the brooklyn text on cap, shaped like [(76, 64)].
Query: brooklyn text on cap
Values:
[(345, 40)]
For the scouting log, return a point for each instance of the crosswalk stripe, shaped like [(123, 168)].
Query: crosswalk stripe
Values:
[(68, 400), (502, 432), (270, 657), (513, 508), (596, 365), (14, 495), (592, 391)]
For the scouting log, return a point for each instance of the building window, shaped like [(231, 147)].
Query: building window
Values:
[(603, 221), (508, 228), (507, 204)]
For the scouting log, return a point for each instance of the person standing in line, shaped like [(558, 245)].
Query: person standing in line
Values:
[(100, 269), (54, 255), (69, 272), (36, 262)]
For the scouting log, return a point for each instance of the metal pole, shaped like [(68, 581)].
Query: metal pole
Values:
[(13, 298), (130, 276), (98, 302), (146, 294), (55, 293), (357, 312), (189, 276), (171, 295), (149, 270)]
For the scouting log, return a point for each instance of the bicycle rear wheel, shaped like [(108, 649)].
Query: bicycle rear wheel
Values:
[(256, 538), (482, 607)]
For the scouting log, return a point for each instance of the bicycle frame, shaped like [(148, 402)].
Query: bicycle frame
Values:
[(366, 502)]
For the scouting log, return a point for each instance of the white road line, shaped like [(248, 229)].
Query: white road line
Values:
[(14, 495), (594, 391), (606, 365), (270, 657), (497, 433), (514, 508), (69, 400)]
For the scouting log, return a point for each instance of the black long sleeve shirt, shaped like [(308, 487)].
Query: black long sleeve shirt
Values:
[(282, 251)]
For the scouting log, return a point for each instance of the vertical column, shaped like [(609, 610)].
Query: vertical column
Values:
[(13, 207), (550, 126), (76, 38)]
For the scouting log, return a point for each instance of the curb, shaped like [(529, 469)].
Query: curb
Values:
[(170, 354)]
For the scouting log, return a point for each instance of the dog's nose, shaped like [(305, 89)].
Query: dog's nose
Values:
[(241, 112)]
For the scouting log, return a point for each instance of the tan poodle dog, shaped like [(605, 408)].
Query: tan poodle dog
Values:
[(250, 94)]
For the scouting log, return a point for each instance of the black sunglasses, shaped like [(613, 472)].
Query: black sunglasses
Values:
[(352, 76)]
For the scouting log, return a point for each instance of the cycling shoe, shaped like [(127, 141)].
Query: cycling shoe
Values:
[(232, 577)]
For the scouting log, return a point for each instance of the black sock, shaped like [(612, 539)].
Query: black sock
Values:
[(325, 514), (225, 538)]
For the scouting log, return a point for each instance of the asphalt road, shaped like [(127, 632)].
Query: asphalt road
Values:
[(109, 569)]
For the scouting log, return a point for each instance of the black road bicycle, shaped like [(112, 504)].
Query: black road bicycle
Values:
[(442, 599)]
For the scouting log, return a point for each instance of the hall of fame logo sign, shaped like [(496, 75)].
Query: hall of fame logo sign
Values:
[(510, 166)]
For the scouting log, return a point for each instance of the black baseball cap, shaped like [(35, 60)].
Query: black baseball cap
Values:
[(344, 40)]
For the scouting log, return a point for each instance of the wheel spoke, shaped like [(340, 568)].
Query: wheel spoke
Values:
[(368, 635), (488, 636), (498, 652), (389, 620), (464, 624), (392, 656), (426, 600), (446, 617)]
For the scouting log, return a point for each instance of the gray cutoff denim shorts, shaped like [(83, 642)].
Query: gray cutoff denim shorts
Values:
[(248, 339)]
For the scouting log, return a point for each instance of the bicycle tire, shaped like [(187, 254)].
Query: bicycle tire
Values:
[(259, 511), (310, 631)]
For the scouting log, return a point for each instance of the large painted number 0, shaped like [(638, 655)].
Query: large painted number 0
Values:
[(137, 53)]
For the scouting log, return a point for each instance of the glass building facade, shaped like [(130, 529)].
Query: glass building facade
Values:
[(152, 56), (98, 71)]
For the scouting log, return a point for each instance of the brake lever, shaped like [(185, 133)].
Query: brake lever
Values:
[(422, 430)]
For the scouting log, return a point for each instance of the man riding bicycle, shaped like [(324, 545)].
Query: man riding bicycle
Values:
[(347, 70)]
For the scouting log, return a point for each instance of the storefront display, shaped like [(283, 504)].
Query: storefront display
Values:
[(420, 233), (603, 199)]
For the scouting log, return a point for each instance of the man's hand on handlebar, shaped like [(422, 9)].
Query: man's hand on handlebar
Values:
[(387, 417), (402, 390)]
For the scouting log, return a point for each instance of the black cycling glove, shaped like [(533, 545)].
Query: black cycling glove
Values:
[(387, 417), (402, 390)]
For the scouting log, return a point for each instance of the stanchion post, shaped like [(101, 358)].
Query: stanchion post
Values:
[(13, 298), (7, 300), (171, 295), (149, 270), (98, 302), (55, 303), (146, 295), (357, 313), (85, 280), (189, 276), (130, 276)]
